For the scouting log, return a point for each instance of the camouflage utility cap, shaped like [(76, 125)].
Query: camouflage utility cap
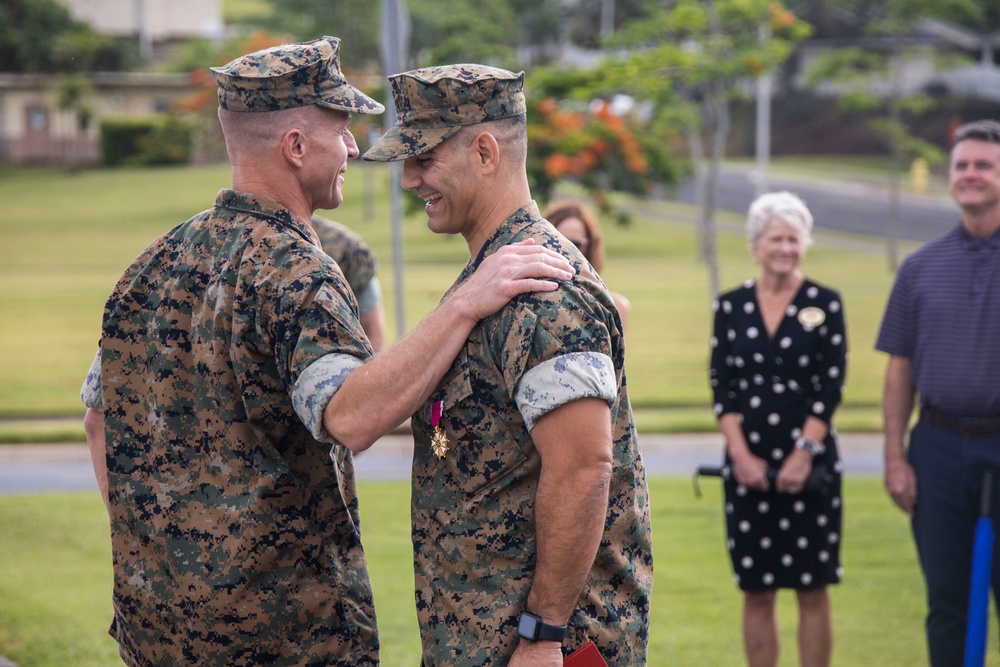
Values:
[(289, 76), (436, 102)]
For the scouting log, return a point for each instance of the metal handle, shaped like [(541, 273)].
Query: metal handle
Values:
[(986, 493)]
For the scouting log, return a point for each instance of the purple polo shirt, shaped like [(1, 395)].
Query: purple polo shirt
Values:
[(944, 315)]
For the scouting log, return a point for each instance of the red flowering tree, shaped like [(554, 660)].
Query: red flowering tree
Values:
[(594, 147)]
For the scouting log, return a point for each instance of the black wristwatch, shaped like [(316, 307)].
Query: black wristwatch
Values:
[(533, 628)]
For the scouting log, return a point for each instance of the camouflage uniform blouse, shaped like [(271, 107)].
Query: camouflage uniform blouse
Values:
[(354, 258), (473, 510), (235, 532)]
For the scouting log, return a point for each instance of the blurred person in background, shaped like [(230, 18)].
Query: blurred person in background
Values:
[(579, 224), (778, 358), (940, 332), (358, 263)]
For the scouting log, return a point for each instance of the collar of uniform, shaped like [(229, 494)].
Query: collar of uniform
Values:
[(265, 207), (505, 233)]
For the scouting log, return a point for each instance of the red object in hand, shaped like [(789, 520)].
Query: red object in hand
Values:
[(585, 656)]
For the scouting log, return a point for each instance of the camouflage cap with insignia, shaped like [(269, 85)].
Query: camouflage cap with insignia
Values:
[(434, 103), (289, 76)]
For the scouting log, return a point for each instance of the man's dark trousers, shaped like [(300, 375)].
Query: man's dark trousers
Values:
[(949, 468)]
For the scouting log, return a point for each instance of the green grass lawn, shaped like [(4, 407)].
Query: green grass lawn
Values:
[(56, 565), (68, 236)]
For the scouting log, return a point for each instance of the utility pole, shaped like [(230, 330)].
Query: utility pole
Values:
[(395, 41), (607, 18), (762, 141), (143, 31)]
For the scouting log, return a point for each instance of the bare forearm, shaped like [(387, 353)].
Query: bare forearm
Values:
[(379, 395), (897, 407), (382, 393), (732, 432), (571, 503), (570, 511), (814, 429), (93, 426)]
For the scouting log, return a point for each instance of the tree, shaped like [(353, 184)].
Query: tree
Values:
[(689, 60), (870, 80), (506, 33), (463, 31), (356, 23), (72, 92), (41, 36), (202, 104)]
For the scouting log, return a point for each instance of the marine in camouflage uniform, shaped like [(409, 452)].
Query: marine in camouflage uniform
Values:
[(476, 510), (224, 376), (235, 529), (357, 261), (349, 251)]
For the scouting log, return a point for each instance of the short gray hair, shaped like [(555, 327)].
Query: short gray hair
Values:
[(779, 206), (979, 130)]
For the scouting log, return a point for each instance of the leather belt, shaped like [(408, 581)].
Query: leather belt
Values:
[(970, 426)]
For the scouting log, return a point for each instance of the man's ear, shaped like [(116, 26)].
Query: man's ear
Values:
[(293, 146), (486, 152)]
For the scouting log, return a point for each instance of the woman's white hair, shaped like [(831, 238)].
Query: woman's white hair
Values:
[(779, 206)]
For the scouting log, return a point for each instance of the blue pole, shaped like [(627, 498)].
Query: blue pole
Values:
[(979, 590)]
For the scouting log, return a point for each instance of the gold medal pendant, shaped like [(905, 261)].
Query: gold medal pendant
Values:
[(439, 441)]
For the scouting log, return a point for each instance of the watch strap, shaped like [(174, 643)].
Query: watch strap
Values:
[(811, 446), (533, 628)]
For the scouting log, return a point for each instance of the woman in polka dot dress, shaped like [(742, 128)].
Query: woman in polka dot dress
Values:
[(777, 374)]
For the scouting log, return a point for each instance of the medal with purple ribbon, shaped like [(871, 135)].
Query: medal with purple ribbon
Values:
[(439, 441)]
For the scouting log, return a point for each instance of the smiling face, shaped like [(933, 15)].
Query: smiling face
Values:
[(974, 176), (779, 249), (444, 178), (334, 146)]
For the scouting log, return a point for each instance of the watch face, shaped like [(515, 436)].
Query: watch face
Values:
[(527, 626)]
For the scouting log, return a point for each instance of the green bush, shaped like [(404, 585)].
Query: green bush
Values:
[(140, 142)]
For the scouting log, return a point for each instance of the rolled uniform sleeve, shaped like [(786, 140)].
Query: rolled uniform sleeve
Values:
[(90, 392), (320, 342), (566, 378), (316, 386), (556, 348)]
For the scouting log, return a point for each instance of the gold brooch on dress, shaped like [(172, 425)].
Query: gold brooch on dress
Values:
[(811, 316)]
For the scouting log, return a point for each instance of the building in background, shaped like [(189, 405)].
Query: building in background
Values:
[(157, 24), (34, 129), (38, 126)]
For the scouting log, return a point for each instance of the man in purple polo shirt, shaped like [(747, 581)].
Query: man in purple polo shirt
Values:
[(940, 330)]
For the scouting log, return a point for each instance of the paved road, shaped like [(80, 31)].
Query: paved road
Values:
[(848, 207), (48, 468)]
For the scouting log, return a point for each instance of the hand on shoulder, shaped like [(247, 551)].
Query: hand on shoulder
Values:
[(510, 271)]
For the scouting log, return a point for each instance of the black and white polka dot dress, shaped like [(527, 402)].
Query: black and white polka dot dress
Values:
[(781, 540)]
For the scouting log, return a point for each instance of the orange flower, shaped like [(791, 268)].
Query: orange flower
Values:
[(557, 166), (584, 162), (781, 17), (548, 106)]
